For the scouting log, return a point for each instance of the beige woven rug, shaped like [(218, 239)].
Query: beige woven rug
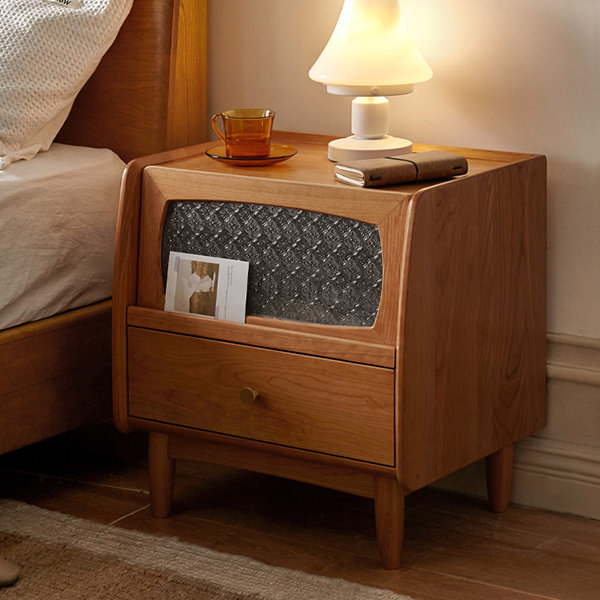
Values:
[(66, 558)]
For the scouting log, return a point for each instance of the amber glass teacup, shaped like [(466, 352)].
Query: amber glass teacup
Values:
[(247, 131)]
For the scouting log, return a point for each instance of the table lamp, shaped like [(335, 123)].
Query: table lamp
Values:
[(370, 55)]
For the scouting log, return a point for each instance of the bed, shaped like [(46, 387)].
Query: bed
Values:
[(147, 95)]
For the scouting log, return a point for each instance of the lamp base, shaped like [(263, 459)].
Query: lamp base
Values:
[(356, 148)]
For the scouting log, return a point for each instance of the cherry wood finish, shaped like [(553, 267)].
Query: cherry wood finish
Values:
[(258, 333), (474, 338), (456, 357), (149, 92), (197, 383), (389, 520), (381, 208), (54, 375), (147, 95), (161, 474), (499, 477)]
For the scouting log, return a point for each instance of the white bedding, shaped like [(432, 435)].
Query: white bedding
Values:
[(57, 229)]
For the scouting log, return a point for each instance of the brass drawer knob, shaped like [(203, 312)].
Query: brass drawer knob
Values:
[(248, 396)]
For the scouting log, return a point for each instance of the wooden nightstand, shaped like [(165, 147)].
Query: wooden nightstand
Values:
[(394, 335)]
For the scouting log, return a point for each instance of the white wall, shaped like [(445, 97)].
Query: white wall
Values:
[(520, 75)]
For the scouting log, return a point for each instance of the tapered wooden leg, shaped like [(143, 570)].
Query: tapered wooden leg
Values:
[(389, 520), (162, 474), (499, 478)]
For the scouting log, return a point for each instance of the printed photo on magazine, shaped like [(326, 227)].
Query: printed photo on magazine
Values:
[(207, 285)]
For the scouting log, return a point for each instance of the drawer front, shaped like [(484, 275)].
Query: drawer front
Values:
[(316, 404)]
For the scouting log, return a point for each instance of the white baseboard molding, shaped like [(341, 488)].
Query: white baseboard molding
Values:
[(573, 358), (564, 475), (557, 476), (547, 474)]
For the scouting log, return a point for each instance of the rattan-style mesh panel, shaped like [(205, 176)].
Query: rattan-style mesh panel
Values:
[(304, 266)]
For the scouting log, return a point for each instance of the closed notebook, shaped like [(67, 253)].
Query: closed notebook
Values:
[(404, 168)]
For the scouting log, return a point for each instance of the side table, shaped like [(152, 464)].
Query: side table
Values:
[(393, 335)]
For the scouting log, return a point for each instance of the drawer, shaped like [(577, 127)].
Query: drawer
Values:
[(316, 404)]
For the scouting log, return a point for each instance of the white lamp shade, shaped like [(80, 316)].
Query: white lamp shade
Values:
[(370, 52)]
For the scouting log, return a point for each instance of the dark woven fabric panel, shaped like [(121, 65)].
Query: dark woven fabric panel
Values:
[(304, 266)]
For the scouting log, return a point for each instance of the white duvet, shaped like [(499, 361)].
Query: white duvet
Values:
[(57, 230)]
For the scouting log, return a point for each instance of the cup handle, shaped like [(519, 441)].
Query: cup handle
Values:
[(213, 122)]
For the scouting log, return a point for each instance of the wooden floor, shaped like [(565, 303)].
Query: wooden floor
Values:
[(454, 547)]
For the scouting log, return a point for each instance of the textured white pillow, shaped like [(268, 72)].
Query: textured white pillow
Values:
[(48, 50)]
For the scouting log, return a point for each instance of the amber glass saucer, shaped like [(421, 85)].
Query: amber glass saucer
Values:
[(278, 153)]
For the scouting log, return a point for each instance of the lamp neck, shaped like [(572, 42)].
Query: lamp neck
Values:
[(370, 117)]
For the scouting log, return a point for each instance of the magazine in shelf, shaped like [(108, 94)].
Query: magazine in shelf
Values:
[(207, 285)]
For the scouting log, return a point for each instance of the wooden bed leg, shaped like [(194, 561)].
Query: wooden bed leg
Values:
[(162, 473), (389, 520), (499, 478)]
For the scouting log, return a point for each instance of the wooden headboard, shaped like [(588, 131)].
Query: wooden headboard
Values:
[(149, 92)]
